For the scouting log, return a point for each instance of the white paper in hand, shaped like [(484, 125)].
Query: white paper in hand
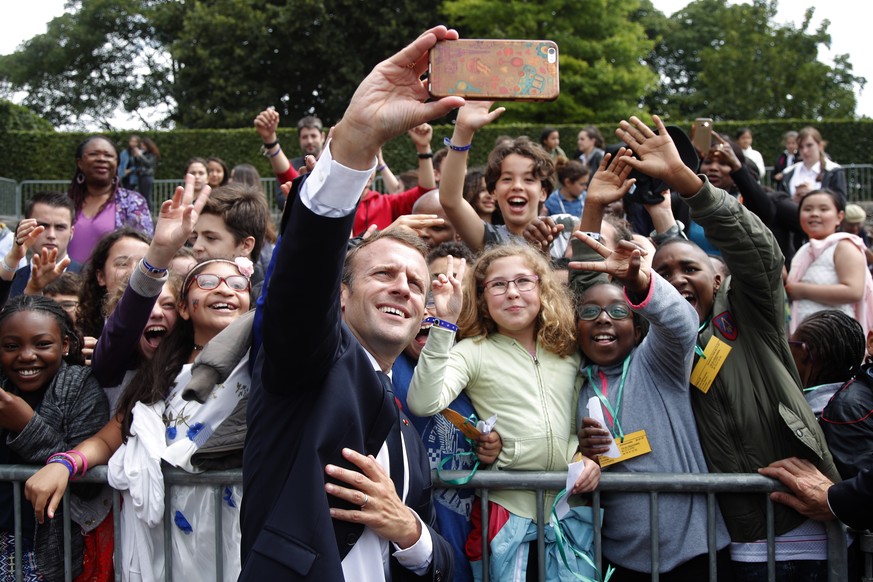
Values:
[(486, 426), (573, 472), (596, 412)]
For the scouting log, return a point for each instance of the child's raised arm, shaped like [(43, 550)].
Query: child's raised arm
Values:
[(658, 155), (471, 117)]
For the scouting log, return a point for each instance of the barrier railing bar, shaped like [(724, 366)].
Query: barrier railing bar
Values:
[(16, 507), (168, 535), (68, 551), (654, 527), (541, 535), (219, 553), (486, 550), (654, 483), (598, 548), (710, 537), (116, 525), (771, 540)]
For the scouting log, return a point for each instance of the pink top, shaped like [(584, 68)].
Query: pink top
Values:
[(89, 231)]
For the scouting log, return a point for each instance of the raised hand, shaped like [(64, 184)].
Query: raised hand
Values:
[(389, 101), (46, 269), (177, 218), (725, 149), (611, 182), (541, 233), (623, 263), (267, 124), (475, 115), (25, 235), (421, 136), (416, 221), (448, 295)]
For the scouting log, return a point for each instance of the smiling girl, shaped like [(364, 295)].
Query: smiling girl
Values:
[(47, 403), (517, 322), (154, 422), (829, 271)]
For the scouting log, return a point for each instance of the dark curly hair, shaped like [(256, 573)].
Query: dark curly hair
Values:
[(92, 294), (836, 345)]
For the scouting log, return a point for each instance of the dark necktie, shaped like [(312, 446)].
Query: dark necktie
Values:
[(395, 443)]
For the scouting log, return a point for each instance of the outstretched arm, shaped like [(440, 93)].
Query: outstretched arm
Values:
[(471, 117), (267, 126)]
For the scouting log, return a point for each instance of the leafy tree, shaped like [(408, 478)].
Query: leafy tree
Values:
[(18, 118), (98, 55), (731, 61), (235, 57), (603, 76)]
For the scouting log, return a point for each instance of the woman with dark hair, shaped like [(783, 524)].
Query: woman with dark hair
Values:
[(217, 173), (146, 162), (247, 174), (101, 206), (111, 263), (550, 139)]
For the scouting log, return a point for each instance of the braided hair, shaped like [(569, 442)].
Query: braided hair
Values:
[(836, 344), (52, 308)]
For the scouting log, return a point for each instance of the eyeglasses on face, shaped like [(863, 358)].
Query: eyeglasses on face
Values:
[(590, 312), (208, 282), (500, 286)]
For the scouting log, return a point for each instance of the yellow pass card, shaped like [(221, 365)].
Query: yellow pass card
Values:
[(634, 445), (708, 366)]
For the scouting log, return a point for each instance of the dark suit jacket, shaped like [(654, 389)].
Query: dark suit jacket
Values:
[(22, 276), (314, 392), (852, 500)]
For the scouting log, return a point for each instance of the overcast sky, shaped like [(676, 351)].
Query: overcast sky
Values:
[(849, 30)]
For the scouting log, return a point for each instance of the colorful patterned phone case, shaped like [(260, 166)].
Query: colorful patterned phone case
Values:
[(495, 70)]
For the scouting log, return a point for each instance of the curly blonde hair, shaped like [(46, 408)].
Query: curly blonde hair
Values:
[(555, 325)]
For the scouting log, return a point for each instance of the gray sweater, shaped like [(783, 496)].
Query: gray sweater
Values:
[(656, 400)]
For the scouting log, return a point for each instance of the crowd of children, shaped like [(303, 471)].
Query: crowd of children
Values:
[(661, 351)]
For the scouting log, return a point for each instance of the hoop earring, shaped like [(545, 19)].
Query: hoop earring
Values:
[(80, 178), (115, 180)]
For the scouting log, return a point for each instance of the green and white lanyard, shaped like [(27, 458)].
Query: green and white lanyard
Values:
[(598, 391)]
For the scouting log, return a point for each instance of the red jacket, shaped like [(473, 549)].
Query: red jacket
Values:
[(383, 209)]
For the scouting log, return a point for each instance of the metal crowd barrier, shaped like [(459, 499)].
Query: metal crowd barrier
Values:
[(654, 484)]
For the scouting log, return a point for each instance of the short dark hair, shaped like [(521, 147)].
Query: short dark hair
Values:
[(67, 284), (309, 122), (458, 250), (53, 199), (243, 209), (405, 236)]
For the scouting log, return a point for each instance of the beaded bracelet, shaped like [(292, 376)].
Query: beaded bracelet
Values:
[(441, 323), (278, 151), (453, 147)]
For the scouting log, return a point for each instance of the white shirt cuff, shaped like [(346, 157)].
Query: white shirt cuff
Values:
[(418, 556), (333, 190)]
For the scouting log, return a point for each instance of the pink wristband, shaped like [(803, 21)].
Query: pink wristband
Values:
[(81, 458)]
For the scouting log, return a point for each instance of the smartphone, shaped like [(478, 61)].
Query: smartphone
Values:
[(701, 135), (494, 70)]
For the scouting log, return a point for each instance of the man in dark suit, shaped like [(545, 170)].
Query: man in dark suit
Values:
[(54, 211), (817, 497), (337, 485)]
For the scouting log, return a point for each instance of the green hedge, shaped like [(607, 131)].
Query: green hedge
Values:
[(30, 155)]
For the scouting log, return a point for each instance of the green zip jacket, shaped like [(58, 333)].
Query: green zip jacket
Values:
[(755, 412)]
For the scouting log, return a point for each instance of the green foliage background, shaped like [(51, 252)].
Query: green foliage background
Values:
[(29, 155)]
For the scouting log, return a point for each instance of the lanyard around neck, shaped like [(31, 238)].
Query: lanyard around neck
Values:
[(601, 395), (698, 350)]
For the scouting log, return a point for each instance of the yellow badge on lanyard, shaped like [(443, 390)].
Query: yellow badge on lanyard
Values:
[(634, 445), (709, 364)]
